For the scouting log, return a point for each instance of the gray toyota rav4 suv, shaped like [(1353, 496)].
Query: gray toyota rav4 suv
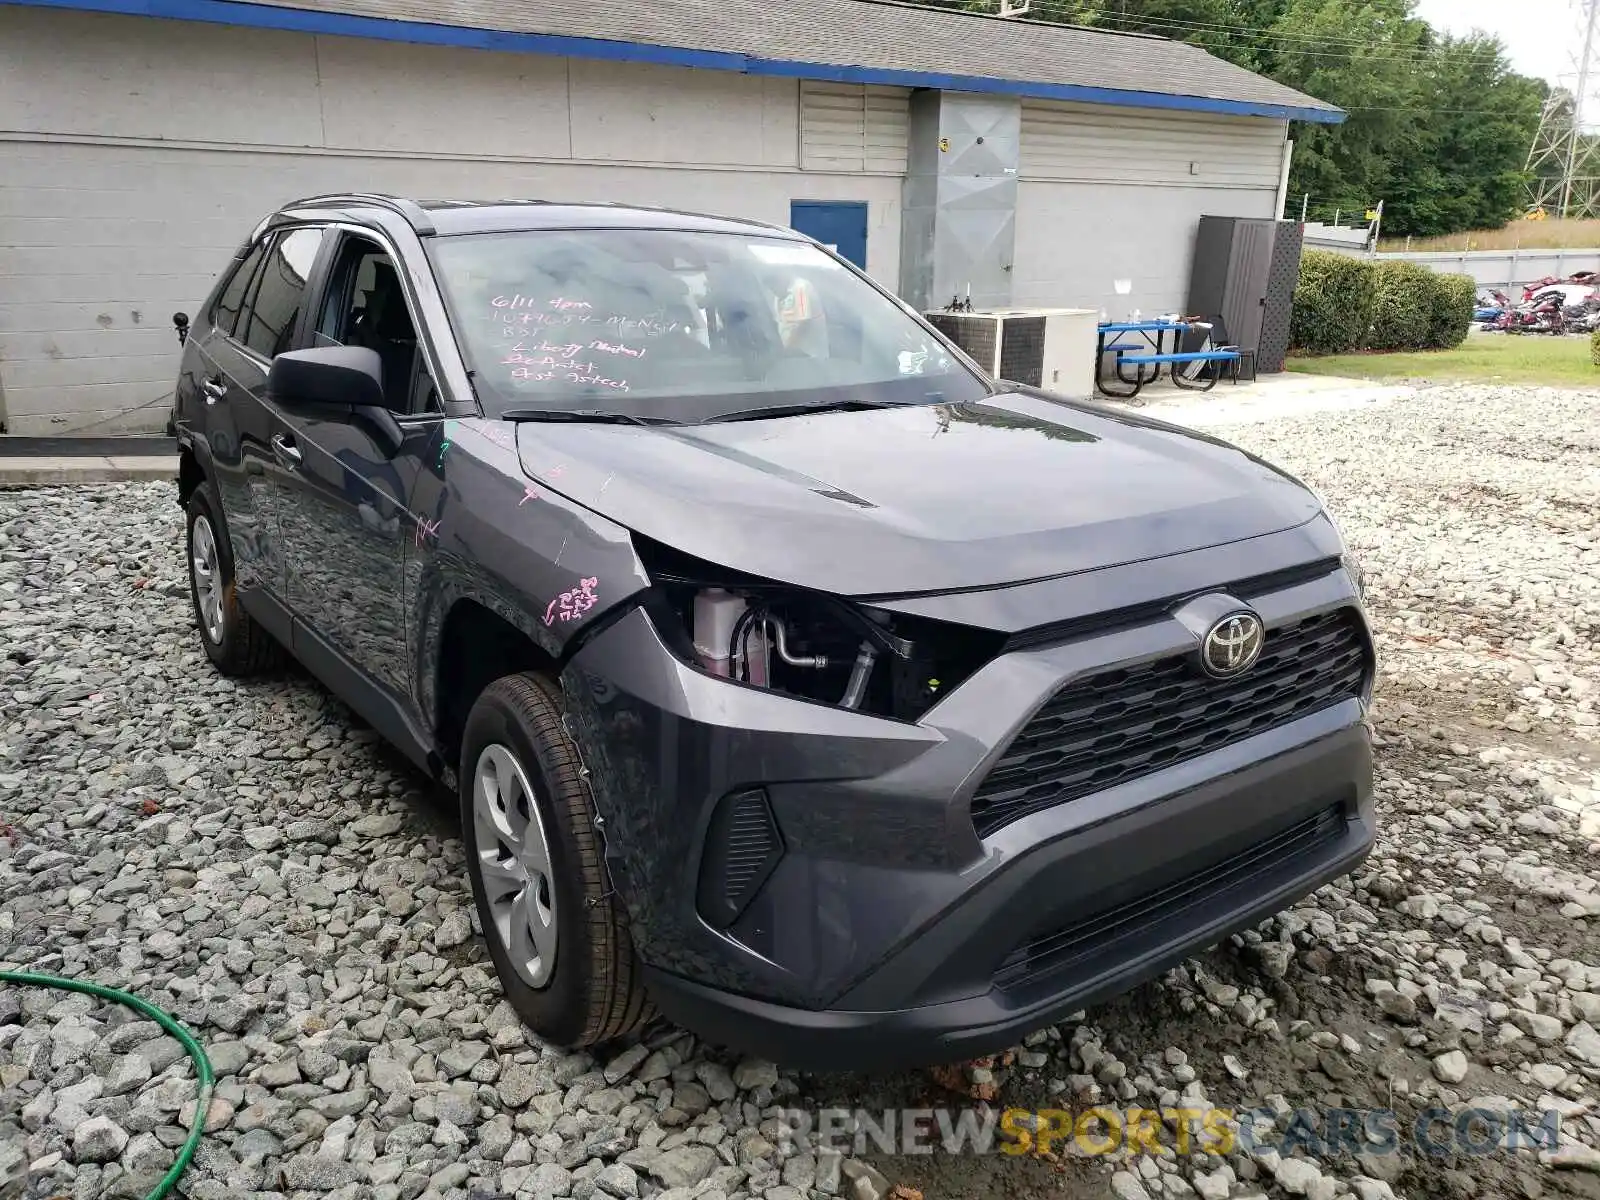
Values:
[(798, 681)]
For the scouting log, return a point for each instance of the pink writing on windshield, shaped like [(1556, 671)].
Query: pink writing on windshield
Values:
[(548, 347), (543, 370), (572, 605), (515, 322), (620, 385), (617, 348), (650, 326), (518, 300), (521, 356)]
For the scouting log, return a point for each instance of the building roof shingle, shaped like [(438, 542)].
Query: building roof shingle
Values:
[(868, 41)]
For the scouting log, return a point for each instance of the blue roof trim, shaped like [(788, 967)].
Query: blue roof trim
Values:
[(1039, 91), (299, 20)]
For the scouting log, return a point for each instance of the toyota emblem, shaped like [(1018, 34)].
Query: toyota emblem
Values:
[(1232, 645)]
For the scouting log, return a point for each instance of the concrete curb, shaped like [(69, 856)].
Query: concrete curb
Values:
[(56, 472)]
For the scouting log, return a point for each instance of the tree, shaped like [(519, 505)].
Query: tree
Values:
[(1437, 127), (1467, 170), (1351, 165)]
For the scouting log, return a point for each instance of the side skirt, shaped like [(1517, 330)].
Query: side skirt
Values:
[(346, 680)]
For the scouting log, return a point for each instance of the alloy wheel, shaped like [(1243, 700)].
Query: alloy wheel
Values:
[(205, 570), (514, 862)]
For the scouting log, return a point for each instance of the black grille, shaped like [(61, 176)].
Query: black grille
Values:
[(1117, 725), (1166, 908)]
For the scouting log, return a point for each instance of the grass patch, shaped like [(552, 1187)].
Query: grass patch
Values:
[(1486, 358), (1528, 235)]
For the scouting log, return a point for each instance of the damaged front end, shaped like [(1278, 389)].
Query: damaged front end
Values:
[(805, 644), (799, 788)]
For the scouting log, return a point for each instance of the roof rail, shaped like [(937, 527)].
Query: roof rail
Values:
[(414, 213)]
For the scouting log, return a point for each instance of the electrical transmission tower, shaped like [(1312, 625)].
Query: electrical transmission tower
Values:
[(1564, 160)]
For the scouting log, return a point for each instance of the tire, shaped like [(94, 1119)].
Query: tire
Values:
[(233, 641), (587, 989)]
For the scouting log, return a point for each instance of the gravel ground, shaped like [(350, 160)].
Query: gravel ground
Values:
[(251, 859)]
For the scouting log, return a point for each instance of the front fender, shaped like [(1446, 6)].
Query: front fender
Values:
[(543, 563)]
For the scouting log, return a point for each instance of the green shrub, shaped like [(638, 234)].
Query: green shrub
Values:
[(1333, 303), (1403, 313), (1594, 347), (1454, 299)]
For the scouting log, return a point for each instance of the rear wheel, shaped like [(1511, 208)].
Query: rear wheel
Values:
[(557, 937), (234, 642)]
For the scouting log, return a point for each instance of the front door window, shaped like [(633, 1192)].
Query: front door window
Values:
[(366, 306)]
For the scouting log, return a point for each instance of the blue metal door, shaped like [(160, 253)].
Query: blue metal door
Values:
[(839, 225)]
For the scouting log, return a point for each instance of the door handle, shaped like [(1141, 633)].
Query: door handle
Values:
[(286, 451), (214, 389)]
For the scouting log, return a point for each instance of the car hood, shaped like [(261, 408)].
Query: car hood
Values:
[(920, 499)]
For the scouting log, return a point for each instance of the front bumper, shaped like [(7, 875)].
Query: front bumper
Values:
[(888, 932), (1131, 854)]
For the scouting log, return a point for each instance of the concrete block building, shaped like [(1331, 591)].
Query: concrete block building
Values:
[(1028, 163)]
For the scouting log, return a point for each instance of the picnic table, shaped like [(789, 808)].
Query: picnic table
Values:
[(1148, 355)]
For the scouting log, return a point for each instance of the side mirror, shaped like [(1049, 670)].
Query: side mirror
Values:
[(344, 383), (180, 322), (336, 377)]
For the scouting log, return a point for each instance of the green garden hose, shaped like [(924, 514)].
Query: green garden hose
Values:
[(202, 1064)]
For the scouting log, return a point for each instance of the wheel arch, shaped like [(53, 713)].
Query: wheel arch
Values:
[(193, 471), (487, 609), (478, 641)]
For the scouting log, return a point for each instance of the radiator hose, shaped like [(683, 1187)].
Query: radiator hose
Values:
[(202, 1064)]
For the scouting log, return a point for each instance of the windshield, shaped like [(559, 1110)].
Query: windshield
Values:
[(682, 326)]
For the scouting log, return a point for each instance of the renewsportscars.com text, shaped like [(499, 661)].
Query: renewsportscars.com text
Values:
[(1322, 1133)]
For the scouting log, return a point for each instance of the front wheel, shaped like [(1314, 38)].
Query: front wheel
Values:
[(554, 930)]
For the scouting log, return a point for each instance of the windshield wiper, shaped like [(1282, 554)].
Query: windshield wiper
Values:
[(593, 416), (796, 410)]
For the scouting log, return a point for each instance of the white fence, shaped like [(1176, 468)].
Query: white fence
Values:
[(1503, 269), (1343, 238)]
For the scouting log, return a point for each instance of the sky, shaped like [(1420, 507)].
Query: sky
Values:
[(1538, 34)]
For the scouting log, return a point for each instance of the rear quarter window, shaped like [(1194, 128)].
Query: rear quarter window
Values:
[(225, 313)]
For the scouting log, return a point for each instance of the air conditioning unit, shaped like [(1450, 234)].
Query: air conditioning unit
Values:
[(1049, 348)]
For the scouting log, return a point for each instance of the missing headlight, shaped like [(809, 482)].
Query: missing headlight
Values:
[(805, 644)]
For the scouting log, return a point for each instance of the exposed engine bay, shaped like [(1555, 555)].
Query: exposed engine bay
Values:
[(807, 644)]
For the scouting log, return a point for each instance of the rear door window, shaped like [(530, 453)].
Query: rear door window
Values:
[(268, 324), (225, 315)]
